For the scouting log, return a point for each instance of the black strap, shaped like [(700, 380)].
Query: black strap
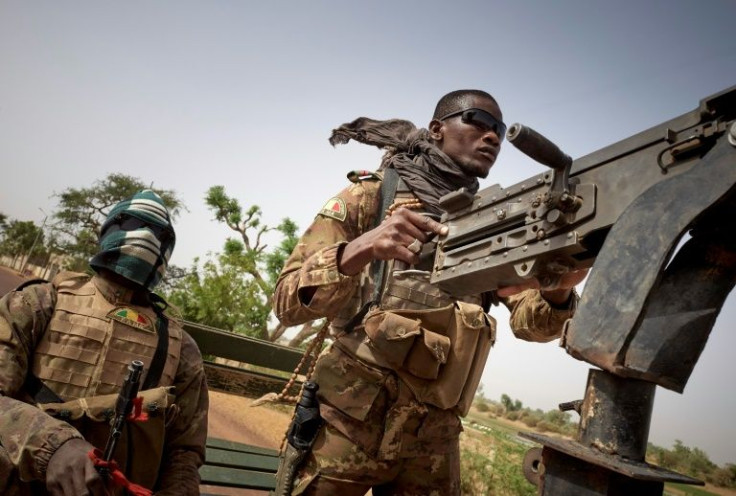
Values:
[(162, 348), (39, 391), (29, 282), (389, 185)]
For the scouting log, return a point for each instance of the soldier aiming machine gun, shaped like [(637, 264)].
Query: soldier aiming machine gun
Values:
[(647, 308)]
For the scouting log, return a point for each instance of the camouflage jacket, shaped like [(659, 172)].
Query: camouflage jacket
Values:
[(29, 437), (313, 264)]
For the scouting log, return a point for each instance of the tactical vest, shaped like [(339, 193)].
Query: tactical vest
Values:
[(83, 357), (437, 344)]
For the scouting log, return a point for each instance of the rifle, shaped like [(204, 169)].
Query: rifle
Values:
[(123, 408), (300, 437), (653, 293)]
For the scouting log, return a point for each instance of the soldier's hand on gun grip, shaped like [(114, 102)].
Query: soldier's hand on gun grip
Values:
[(390, 241), (70, 472)]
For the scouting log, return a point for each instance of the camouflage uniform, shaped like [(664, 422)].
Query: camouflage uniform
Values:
[(167, 458), (377, 434)]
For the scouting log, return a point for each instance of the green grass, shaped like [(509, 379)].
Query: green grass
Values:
[(685, 490)]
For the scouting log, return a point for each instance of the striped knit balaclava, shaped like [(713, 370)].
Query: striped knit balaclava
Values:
[(137, 239)]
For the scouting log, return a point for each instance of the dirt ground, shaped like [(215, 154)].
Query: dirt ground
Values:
[(231, 417)]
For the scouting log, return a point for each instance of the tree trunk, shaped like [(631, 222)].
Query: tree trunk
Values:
[(306, 331), (277, 332)]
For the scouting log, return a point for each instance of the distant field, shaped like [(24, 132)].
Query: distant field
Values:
[(502, 431)]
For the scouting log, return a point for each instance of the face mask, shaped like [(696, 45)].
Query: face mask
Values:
[(137, 240)]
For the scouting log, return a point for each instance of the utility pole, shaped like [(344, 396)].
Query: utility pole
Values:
[(35, 240)]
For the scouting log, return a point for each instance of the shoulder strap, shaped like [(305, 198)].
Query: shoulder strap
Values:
[(389, 185), (162, 348), (39, 391), (29, 282)]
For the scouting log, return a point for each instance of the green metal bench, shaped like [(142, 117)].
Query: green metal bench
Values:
[(228, 463), (231, 464), (276, 362)]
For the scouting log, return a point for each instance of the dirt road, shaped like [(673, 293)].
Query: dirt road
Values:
[(9, 279)]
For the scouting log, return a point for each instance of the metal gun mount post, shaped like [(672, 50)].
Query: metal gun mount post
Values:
[(607, 457)]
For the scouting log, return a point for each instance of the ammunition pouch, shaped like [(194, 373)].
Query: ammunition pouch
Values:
[(440, 353)]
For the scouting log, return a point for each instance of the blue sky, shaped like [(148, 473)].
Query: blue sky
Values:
[(186, 95)]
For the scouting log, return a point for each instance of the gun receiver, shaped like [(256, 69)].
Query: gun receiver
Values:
[(123, 406), (557, 221)]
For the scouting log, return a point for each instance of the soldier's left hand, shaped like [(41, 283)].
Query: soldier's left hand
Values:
[(567, 281)]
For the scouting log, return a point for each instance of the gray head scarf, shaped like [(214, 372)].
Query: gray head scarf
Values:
[(428, 172)]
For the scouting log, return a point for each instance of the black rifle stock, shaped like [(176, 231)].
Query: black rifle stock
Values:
[(123, 407)]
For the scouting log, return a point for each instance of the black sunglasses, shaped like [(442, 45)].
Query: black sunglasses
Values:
[(481, 119)]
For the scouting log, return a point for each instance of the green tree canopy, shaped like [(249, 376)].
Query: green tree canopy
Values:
[(19, 236), (234, 290)]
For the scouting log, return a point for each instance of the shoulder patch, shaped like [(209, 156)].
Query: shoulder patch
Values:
[(335, 208)]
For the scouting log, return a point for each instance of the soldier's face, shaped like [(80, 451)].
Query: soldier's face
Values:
[(472, 143)]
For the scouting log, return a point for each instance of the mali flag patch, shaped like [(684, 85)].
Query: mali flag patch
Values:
[(335, 208), (130, 317)]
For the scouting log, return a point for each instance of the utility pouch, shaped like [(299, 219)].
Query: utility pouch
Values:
[(392, 335), (91, 417), (440, 353)]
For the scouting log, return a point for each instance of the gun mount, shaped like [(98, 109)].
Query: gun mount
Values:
[(648, 307)]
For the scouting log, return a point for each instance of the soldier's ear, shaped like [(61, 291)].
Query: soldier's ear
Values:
[(436, 130)]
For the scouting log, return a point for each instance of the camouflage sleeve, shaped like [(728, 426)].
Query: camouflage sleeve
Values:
[(313, 263), (28, 434), (534, 319), (186, 436)]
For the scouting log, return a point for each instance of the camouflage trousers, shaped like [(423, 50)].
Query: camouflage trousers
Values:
[(377, 435), (337, 467)]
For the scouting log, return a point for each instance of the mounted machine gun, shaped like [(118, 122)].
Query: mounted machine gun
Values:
[(648, 307)]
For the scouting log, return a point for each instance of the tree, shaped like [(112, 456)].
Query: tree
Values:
[(82, 211), (218, 295), (234, 291), (19, 237), (506, 402)]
